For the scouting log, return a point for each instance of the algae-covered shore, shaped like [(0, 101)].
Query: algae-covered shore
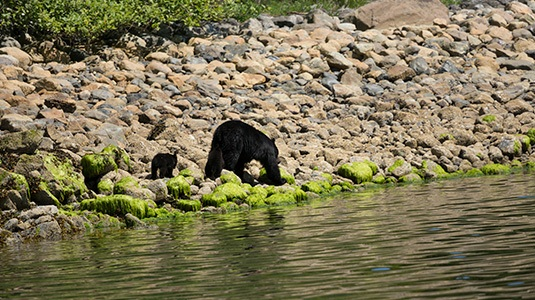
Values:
[(347, 108)]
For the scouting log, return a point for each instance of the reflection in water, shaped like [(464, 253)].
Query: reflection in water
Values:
[(457, 239)]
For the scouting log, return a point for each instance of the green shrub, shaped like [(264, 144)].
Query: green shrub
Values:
[(87, 20)]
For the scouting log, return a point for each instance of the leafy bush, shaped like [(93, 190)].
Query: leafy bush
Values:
[(86, 20)]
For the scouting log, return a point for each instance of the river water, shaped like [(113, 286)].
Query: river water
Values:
[(455, 239)]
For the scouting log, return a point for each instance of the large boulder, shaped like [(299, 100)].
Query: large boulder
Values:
[(393, 13), (23, 142), (52, 179)]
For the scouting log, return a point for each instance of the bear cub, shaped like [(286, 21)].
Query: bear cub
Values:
[(236, 143), (164, 164)]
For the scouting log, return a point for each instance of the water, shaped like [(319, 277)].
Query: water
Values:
[(456, 239)]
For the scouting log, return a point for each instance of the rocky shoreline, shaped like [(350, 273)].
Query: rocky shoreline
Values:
[(412, 102)]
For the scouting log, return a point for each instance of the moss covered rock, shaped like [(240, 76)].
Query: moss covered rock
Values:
[(119, 205), (280, 199), (109, 159), (473, 173), (121, 158), (97, 165), (494, 169), (24, 142), (300, 195), (179, 187), (317, 186), (230, 177), (411, 177), (233, 191), (125, 184), (525, 142), (230, 206), (57, 182), (189, 205), (14, 191), (290, 179), (256, 200), (531, 135), (400, 168), (105, 186), (358, 172), (431, 170), (213, 199), (258, 190)]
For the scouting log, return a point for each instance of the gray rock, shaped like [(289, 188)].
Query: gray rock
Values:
[(39, 211)]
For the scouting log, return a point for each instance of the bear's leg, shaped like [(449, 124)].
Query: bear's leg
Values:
[(239, 167), (214, 164), (154, 171), (272, 171), (166, 171)]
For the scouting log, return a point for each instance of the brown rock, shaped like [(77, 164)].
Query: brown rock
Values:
[(400, 72), (24, 58), (394, 13)]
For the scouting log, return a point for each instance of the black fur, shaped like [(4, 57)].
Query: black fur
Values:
[(165, 163), (236, 143)]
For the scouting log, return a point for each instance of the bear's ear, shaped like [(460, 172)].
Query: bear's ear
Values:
[(273, 140)]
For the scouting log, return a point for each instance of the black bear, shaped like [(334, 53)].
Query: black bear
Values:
[(164, 164), (236, 143)]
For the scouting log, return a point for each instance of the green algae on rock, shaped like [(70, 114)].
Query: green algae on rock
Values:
[(178, 187), (109, 159), (278, 199), (494, 169), (358, 172), (255, 200), (124, 184), (317, 186), (97, 165), (58, 181), (119, 155), (531, 134), (188, 205), (431, 170), (230, 177), (119, 205), (488, 118), (233, 191), (105, 186), (213, 199), (14, 191), (25, 142), (290, 179)]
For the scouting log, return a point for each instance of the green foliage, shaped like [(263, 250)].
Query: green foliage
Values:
[(87, 20)]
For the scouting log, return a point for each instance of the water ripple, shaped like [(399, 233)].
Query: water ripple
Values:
[(456, 239)]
